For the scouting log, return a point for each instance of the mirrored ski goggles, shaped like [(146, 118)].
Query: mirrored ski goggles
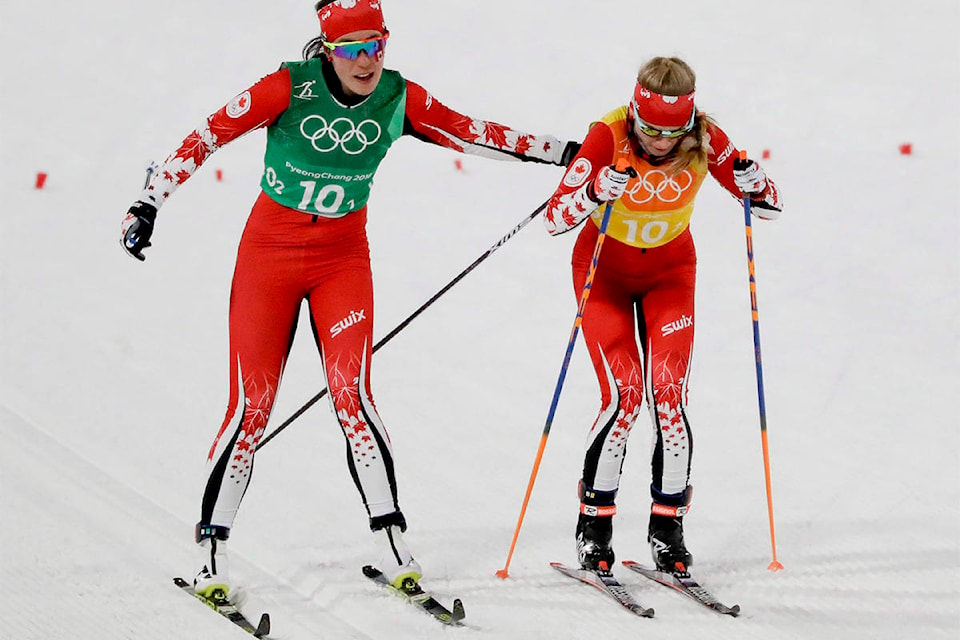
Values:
[(352, 50), (654, 132)]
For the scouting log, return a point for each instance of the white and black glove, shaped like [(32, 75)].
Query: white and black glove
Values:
[(610, 184), (752, 182), (137, 227), (749, 178)]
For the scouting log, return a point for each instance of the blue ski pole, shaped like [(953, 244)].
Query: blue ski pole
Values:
[(774, 565)]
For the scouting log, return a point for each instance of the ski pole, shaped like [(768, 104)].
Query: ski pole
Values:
[(486, 254), (151, 169), (587, 285), (774, 564)]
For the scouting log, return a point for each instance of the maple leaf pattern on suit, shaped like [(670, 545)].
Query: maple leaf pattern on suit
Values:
[(490, 133), (523, 145), (193, 149), (670, 391), (184, 162), (566, 211), (345, 392), (257, 402), (343, 382), (629, 381)]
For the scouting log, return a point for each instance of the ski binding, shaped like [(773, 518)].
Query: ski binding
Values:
[(415, 595), (219, 603)]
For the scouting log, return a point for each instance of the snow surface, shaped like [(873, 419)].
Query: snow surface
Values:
[(114, 373)]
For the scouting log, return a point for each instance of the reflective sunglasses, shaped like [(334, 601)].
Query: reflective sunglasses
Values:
[(352, 50), (649, 130)]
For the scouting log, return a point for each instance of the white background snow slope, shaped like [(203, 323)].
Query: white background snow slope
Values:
[(113, 373)]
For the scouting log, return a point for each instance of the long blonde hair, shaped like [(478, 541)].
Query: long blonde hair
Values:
[(674, 77)]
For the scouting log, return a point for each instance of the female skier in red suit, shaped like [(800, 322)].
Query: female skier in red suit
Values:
[(330, 120), (644, 287)]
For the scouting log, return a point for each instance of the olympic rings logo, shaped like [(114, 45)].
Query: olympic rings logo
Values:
[(353, 139), (657, 184)]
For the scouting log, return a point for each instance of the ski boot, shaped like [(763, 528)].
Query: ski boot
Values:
[(396, 561), (665, 534), (595, 529), (213, 581)]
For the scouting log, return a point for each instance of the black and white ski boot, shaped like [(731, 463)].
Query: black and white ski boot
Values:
[(665, 535), (594, 536), (595, 529)]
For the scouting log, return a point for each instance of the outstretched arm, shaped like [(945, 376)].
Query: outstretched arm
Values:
[(430, 120), (251, 109)]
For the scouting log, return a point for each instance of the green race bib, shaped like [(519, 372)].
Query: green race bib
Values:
[(321, 156)]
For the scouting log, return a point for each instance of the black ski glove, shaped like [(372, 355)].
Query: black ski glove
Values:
[(137, 228)]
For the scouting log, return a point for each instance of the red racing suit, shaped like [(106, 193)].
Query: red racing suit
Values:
[(287, 256), (642, 292)]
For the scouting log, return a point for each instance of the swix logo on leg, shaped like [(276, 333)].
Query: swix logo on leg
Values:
[(671, 327), (349, 321)]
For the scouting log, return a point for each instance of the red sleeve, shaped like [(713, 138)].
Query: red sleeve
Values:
[(256, 107), (720, 158), (430, 120), (251, 109), (570, 202)]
